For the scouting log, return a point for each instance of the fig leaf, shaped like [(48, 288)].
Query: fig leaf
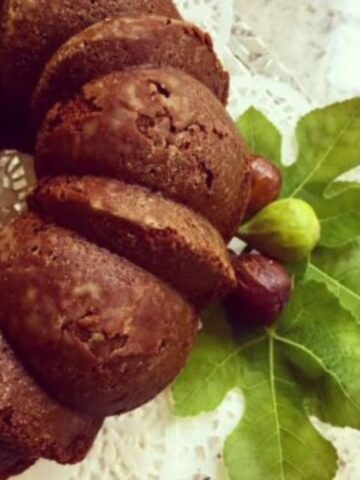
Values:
[(309, 362), (329, 146)]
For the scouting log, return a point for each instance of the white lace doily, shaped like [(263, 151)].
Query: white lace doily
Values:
[(150, 443)]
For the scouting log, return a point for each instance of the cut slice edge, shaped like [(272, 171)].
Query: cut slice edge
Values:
[(159, 235), (123, 43)]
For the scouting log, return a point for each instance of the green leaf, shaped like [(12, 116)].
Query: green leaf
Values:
[(338, 187), (275, 439), (212, 361), (260, 135), (308, 364), (339, 269), (322, 341), (329, 145), (299, 269)]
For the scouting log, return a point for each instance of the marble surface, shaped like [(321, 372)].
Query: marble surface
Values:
[(317, 41)]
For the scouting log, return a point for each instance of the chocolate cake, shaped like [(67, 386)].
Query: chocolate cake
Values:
[(158, 128), (102, 281), (127, 43), (165, 238), (32, 424), (32, 30), (100, 334), (12, 462)]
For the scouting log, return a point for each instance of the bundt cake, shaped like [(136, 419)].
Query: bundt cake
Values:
[(143, 180)]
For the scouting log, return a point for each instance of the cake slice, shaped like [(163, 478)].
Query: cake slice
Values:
[(32, 424), (32, 30), (99, 333), (162, 129), (167, 239), (12, 462), (126, 43)]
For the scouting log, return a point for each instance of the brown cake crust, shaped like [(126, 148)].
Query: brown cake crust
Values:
[(167, 239), (12, 462), (32, 30), (32, 423), (158, 128), (101, 334), (128, 43)]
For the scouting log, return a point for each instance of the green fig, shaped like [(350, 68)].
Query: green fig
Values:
[(287, 230)]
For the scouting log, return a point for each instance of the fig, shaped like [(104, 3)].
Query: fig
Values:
[(263, 288), (266, 183), (287, 230)]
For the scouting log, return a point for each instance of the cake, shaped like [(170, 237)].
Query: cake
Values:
[(32, 31), (33, 425), (176, 138), (12, 462), (144, 179), (102, 335), (163, 237), (125, 43)]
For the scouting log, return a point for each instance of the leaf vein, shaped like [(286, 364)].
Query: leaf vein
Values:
[(321, 363), (338, 215), (326, 154), (335, 282), (229, 357), (276, 413), (295, 467)]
